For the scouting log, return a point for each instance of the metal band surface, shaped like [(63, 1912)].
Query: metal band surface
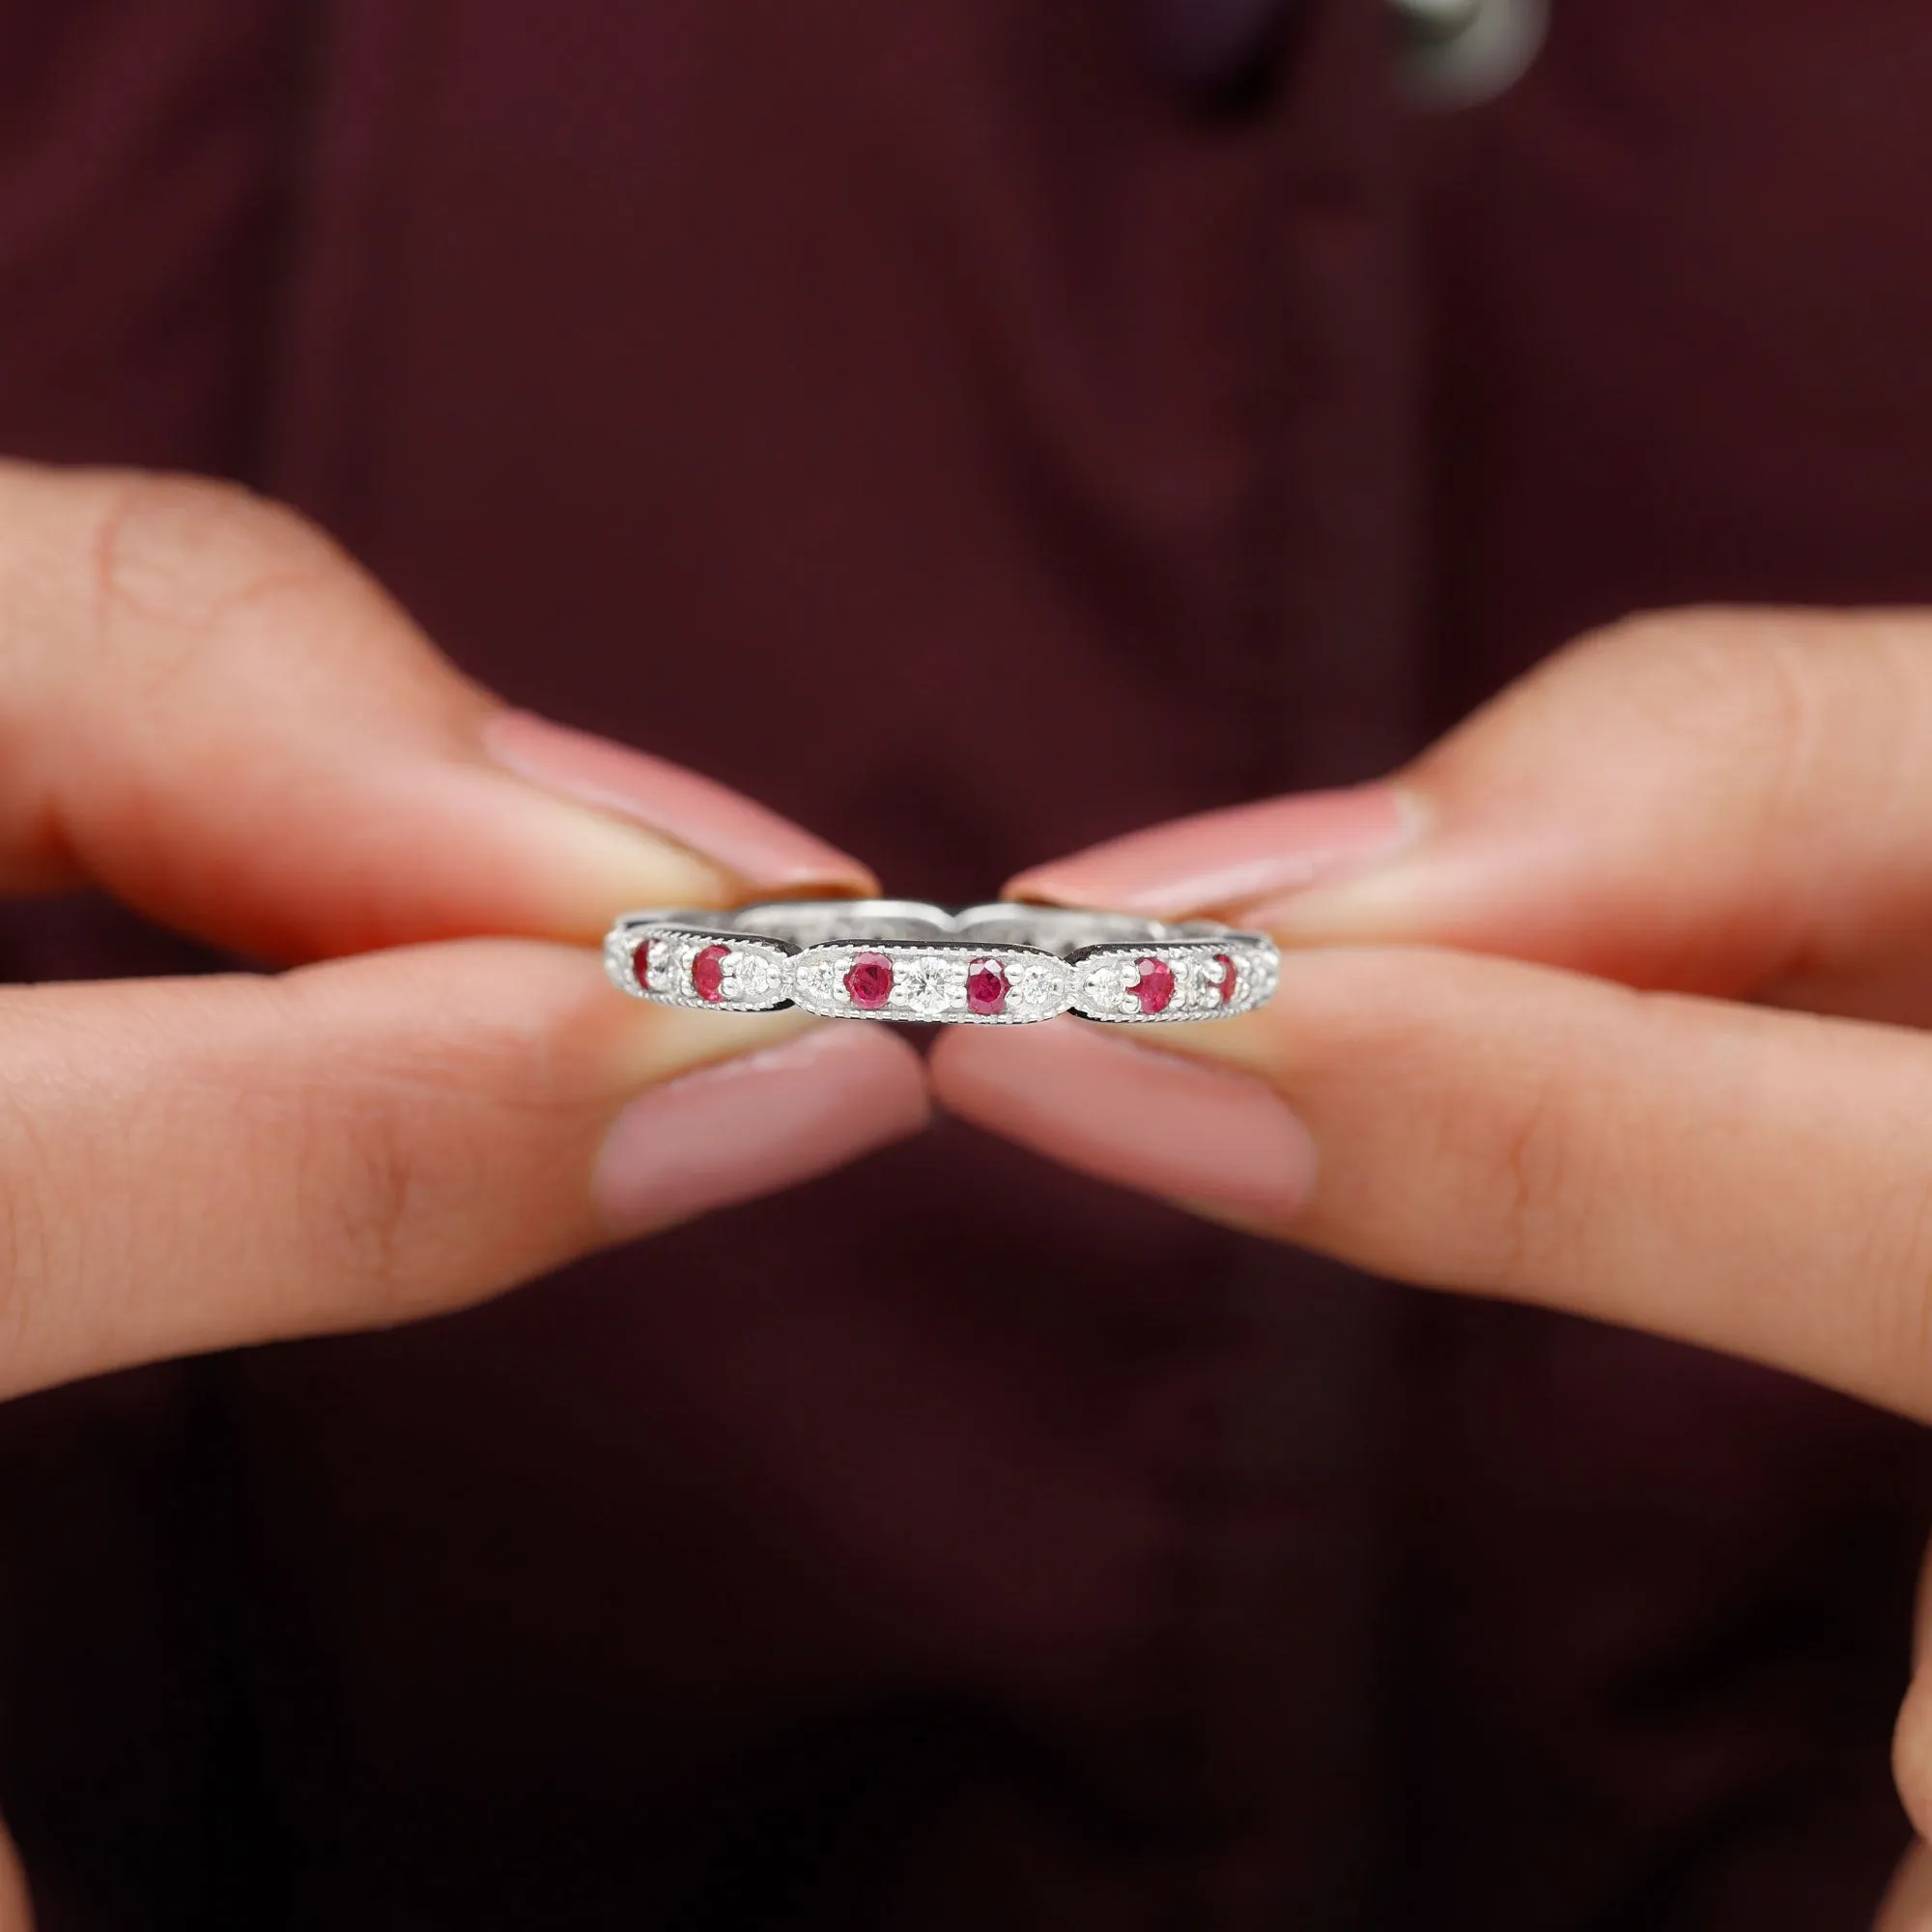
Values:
[(1003, 964)]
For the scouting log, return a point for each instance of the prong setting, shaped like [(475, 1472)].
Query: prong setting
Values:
[(930, 984), (714, 970), (1171, 980)]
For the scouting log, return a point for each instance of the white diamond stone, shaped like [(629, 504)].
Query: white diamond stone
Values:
[(930, 984), (1109, 986), (662, 965), (818, 973), (1035, 985), (1202, 982), (752, 978)]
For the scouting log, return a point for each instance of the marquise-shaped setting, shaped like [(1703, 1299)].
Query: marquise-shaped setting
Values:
[(1174, 979), (718, 970), (946, 985)]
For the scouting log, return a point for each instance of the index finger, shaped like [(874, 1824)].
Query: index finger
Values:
[(210, 710), (1734, 802)]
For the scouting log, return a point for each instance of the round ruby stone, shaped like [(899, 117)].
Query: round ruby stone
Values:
[(1155, 989), (1227, 967), (641, 961), (986, 987), (708, 974), (869, 981)]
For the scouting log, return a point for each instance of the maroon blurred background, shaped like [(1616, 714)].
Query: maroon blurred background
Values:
[(1073, 425)]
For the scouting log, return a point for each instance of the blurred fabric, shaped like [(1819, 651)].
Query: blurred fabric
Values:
[(1033, 438)]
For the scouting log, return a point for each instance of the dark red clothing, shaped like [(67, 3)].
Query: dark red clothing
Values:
[(956, 1543)]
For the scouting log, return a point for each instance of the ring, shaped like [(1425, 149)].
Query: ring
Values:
[(1005, 964)]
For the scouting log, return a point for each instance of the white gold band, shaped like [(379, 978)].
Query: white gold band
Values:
[(1003, 964)]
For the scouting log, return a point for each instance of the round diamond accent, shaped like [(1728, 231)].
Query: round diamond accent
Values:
[(1107, 987), (1039, 987), (928, 986), (758, 979), (818, 973)]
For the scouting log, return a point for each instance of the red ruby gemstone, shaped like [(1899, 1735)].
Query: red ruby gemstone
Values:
[(986, 987), (708, 974), (641, 961), (1155, 989), (869, 981), (1227, 967)]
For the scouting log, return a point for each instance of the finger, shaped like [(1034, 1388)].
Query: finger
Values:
[(1912, 1737), (1732, 802), (16, 1912), (1907, 1906), (190, 1164), (1755, 1181), (206, 708), (1912, 1754)]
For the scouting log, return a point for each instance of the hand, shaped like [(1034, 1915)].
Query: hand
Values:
[(1612, 1002), (205, 708)]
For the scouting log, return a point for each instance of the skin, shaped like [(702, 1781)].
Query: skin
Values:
[(1633, 1025), (207, 710)]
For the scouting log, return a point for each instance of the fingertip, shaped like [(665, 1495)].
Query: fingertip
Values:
[(369, 794), (754, 1124), (1143, 1119), (563, 871), (1218, 861), (761, 851)]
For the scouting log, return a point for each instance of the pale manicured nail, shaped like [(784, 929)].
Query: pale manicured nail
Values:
[(1129, 1114), (747, 1127), (1222, 860), (745, 838)]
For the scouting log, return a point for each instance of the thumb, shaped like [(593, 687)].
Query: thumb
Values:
[(209, 1163)]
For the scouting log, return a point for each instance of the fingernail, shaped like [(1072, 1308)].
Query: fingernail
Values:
[(1129, 1113), (743, 1127), (745, 839), (1220, 859)]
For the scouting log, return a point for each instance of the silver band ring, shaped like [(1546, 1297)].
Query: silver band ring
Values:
[(1005, 964)]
